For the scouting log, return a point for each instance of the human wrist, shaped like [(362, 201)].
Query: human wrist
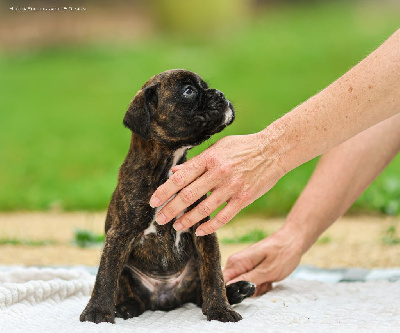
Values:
[(287, 141), (291, 235), (274, 147), (306, 225)]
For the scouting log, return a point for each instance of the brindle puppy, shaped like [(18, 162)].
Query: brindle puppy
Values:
[(146, 266)]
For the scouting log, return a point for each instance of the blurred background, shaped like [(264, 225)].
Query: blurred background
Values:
[(68, 71)]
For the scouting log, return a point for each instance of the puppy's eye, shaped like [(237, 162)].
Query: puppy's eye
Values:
[(189, 92)]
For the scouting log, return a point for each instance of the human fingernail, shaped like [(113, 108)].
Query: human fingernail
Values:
[(177, 167), (178, 226), (161, 219), (154, 202), (200, 233)]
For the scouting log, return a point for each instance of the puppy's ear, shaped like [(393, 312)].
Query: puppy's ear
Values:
[(137, 117)]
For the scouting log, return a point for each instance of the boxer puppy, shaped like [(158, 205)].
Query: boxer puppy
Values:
[(146, 266)]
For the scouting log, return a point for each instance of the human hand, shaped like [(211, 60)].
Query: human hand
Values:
[(236, 170), (270, 260)]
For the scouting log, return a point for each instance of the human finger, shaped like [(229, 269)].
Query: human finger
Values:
[(233, 268), (189, 171), (256, 276), (202, 210), (262, 288), (177, 167), (188, 196), (222, 218), (242, 262)]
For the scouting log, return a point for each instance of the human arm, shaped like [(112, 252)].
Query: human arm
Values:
[(239, 169), (340, 177)]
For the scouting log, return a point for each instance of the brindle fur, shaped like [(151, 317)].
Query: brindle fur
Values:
[(161, 124)]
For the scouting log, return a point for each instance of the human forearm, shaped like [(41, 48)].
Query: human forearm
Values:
[(340, 177), (239, 169), (363, 97)]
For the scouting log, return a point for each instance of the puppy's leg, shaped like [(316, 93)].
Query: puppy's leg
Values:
[(129, 304), (102, 303), (215, 304)]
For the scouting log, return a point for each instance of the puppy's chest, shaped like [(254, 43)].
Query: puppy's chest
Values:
[(163, 242), (160, 231), (161, 247)]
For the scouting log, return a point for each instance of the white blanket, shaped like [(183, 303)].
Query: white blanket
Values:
[(51, 300)]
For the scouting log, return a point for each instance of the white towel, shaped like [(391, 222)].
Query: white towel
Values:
[(51, 300)]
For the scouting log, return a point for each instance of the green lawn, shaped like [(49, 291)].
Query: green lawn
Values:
[(61, 133)]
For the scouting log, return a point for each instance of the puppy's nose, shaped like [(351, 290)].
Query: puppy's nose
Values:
[(218, 93)]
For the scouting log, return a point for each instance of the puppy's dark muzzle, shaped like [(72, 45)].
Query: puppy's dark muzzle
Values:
[(217, 114), (216, 100), (214, 114)]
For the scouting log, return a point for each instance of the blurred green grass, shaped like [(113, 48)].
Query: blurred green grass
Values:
[(61, 134), (251, 236)]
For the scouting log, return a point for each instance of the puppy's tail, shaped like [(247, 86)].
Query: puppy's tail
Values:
[(238, 291)]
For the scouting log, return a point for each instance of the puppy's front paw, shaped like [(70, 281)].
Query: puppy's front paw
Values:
[(239, 290), (97, 314), (224, 314)]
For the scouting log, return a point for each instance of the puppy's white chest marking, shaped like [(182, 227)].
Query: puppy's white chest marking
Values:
[(177, 156), (152, 228), (178, 233)]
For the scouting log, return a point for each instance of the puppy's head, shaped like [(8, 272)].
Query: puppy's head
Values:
[(176, 108)]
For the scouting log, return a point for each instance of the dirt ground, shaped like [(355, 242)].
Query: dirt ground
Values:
[(350, 242)]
